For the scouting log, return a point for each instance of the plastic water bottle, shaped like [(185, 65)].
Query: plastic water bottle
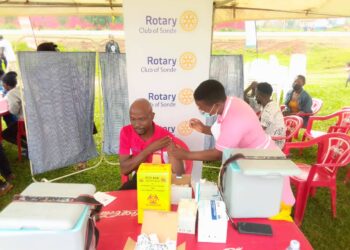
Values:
[(294, 245)]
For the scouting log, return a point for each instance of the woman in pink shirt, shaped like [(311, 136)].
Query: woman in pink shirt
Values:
[(236, 126)]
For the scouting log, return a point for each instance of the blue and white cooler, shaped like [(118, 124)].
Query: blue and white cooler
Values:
[(46, 225), (252, 187)]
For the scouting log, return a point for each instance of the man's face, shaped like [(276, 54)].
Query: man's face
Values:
[(298, 84), (141, 121), (258, 97), (6, 87)]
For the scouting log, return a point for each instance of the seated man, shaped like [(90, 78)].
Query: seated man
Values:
[(298, 101), (271, 118), (144, 141), (14, 100)]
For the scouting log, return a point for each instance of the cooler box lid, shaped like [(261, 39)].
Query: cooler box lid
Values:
[(262, 167), (46, 216)]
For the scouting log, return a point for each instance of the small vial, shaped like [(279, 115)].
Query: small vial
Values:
[(294, 245)]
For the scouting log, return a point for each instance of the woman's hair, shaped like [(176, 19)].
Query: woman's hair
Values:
[(301, 77), (48, 46), (10, 79), (264, 88), (210, 91)]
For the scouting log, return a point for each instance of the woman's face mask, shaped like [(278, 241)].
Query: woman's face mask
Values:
[(208, 115)]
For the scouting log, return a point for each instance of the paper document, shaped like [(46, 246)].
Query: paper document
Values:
[(104, 198)]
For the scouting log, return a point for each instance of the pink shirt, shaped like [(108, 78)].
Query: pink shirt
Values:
[(132, 144), (240, 127)]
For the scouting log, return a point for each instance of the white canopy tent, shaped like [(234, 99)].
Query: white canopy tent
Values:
[(225, 10)]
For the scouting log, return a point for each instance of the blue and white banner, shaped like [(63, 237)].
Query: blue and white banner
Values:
[(168, 45)]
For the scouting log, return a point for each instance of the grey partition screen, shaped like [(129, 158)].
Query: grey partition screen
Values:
[(115, 99), (229, 71), (59, 98)]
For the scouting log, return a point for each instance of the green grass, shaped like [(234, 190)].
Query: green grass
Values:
[(325, 80)]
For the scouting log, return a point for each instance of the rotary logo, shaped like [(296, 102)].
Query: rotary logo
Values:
[(188, 60), (188, 21), (184, 128), (185, 96)]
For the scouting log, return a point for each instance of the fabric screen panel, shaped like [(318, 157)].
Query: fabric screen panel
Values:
[(59, 104), (229, 71), (115, 99)]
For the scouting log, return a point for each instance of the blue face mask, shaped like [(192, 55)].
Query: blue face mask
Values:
[(208, 115)]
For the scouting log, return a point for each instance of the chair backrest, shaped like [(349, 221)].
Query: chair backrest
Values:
[(333, 150), (293, 125), (188, 163), (343, 123), (316, 105)]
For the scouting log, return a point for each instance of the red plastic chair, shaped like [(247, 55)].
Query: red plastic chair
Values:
[(188, 164), (293, 125), (333, 152), (21, 133), (341, 126)]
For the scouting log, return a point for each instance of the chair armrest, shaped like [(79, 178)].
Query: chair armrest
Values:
[(332, 165), (290, 145), (338, 129)]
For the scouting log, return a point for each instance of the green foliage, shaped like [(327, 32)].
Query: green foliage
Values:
[(21, 46)]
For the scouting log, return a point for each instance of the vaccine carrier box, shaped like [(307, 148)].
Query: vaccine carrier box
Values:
[(46, 225), (252, 188)]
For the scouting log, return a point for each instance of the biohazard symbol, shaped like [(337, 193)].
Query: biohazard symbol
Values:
[(153, 199)]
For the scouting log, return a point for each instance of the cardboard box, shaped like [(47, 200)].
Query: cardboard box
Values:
[(212, 221), (252, 187), (187, 212), (42, 226), (206, 190), (164, 224), (180, 188), (153, 188)]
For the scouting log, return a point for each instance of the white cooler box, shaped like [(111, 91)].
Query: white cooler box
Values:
[(46, 226), (253, 188)]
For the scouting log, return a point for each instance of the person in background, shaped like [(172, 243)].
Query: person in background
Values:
[(5, 186), (13, 96), (271, 117), (6, 173), (7, 54), (47, 46), (249, 97), (112, 46), (143, 141), (298, 101), (2, 73)]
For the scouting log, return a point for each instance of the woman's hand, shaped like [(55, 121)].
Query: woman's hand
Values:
[(176, 151), (196, 124)]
